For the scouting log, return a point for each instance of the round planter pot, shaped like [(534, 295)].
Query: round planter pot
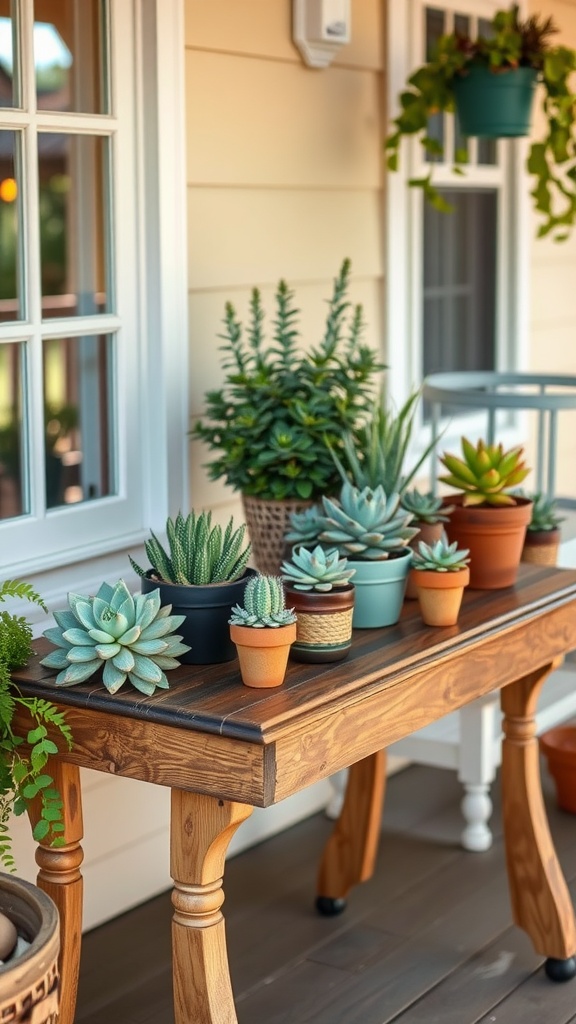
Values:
[(263, 653), (495, 105), (541, 547), (29, 983), (495, 538), (324, 626), (559, 747), (429, 533), (268, 522), (439, 594), (207, 610), (380, 588)]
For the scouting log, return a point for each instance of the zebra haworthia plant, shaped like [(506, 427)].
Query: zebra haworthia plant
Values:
[(198, 553), (440, 556), (264, 604), (316, 570), (131, 637)]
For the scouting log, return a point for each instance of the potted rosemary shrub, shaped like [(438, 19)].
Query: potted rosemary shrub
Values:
[(490, 81), (430, 514), (317, 585), (439, 573), (487, 518), (280, 410), (543, 533), (201, 574), (263, 629)]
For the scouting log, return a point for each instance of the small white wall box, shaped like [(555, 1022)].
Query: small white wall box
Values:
[(320, 28)]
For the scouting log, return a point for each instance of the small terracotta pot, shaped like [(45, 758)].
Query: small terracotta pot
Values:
[(263, 653), (440, 594), (541, 547), (559, 747), (324, 626), (494, 536), (429, 533)]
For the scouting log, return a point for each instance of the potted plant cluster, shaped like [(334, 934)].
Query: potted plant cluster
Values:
[(543, 533), (490, 81), (440, 573), (487, 518), (317, 585), (280, 411), (430, 514), (201, 574), (263, 629)]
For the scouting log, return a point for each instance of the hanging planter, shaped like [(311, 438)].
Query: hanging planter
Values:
[(492, 104)]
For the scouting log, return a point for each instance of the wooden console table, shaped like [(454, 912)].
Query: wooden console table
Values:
[(223, 749)]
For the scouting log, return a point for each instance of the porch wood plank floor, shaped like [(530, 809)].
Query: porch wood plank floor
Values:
[(428, 940)]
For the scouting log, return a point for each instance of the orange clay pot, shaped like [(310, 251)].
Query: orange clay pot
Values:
[(559, 747), (263, 653), (440, 594), (429, 533), (495, 538)]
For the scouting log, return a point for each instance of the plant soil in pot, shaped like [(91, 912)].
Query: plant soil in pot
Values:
[(559, 747)]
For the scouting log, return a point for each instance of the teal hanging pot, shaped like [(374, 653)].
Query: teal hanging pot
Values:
[(493, 104)]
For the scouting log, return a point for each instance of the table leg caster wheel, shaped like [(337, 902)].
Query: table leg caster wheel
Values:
[(330, 906), (560, 970)]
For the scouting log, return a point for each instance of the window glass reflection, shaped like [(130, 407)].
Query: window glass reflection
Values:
[(69, 56), (73, 235), (13, 499), (7, 48), (78, 419), (10, 219)]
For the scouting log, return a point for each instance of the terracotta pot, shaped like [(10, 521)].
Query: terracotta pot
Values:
[(324, 626), (541, 547), (559, 747), (495, 538), (380, 588), (429, 533), (263, 653), (439, 594)]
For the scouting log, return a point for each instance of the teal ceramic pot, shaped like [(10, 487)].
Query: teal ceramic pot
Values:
[(495, 105), (207, 610), (380, 587)]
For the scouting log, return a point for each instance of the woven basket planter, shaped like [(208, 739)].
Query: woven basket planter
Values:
[(324, 626), (29, 983), (268, 522)]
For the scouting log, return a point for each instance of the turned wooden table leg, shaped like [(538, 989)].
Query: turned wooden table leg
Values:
[(201, 829), (60, 877), (350, 853), (541, 903)]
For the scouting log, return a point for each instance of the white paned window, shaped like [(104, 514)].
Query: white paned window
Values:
[(455, 280), (73, 343)]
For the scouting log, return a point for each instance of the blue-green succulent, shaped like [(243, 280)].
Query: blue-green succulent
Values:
[(129, 637), (426, 507), (366, 524), (264, 604), (440, 556), (316, 570)]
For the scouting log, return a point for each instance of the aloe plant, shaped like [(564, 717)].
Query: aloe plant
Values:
[(366, 523), (426, 507), (264, 604), (130, 638), (198, 552), (485, 473), (440, 556), (316, 570)]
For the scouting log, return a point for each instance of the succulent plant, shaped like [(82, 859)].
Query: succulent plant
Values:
[(544, 513), (130, 637), (485, 473), (366, 524), (304, 526), (316, 570), (440, 556), (426, 507), (264, 604), (199, 553)]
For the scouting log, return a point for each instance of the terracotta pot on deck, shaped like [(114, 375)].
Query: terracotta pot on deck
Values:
[(559, 747)]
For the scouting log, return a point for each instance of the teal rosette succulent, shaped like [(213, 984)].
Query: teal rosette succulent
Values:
[(130, 637), (366, 524), (426, 507), (316, 570), (440, 556)]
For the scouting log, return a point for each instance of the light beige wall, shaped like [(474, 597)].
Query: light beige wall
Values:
[(284, 166), (552, 311)]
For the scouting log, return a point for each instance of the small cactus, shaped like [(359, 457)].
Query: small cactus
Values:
[(316, 570), (130, 637), (440, 556), (485, 473), (199, 553), (426, 508), (264, 604), (366, 524)]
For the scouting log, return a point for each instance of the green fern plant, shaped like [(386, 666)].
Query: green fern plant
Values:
[(24, 759), (198, 553)]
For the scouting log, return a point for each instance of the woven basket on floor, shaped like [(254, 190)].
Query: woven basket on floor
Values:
[(29, 983), (268, 521)]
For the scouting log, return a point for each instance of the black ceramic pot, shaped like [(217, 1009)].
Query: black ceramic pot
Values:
[(206, 609)]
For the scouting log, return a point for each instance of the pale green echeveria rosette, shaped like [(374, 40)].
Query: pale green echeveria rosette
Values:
[(130, 637)]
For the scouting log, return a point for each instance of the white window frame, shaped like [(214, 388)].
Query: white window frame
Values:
[(152, 409), (404, 226)]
